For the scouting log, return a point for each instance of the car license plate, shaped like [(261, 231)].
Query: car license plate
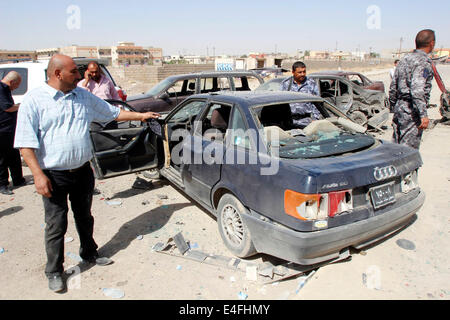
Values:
[(382, 195)]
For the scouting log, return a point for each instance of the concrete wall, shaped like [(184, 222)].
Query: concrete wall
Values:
[(137, 79)]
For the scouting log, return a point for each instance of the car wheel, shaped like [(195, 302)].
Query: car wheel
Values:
[(232, 228), (359, 117)]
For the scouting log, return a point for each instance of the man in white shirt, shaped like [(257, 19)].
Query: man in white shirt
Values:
[(52, 134)]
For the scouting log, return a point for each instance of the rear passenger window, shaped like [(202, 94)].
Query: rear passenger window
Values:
[(23, 73), (214, 84), (246, 83)]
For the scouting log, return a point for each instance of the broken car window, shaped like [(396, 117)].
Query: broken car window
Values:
[(321, 138)]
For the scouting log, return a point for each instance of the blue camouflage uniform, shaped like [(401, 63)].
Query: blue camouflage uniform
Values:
[(302, 113), (409, 95)]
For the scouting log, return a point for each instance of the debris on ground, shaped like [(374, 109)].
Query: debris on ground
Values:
[(113, 293), (371, 278), (74, 257), (303, 280), (242, 296), (114, 203), (140, 237), (68, 239), (276, 273), (406, 244), (193, 245), (142, 184), (2, 250), (162, 196)]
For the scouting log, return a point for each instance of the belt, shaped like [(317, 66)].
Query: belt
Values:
[(87, 164), (80, 168)]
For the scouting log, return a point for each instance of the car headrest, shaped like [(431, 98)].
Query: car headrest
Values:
[(220, 117)]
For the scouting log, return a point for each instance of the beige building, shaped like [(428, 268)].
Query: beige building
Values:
[(155, 56), (319, 55), (105, 53), (16, 55), (442, 52), (46, 53), (79, 51), (127, 53)]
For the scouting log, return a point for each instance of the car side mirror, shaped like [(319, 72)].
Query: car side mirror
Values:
[(164, 96)]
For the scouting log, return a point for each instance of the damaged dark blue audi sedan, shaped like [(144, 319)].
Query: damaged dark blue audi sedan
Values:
[(301, 194)]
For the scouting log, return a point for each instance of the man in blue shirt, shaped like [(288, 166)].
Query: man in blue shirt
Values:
[(52, 134), (302, 113), (9, 157)]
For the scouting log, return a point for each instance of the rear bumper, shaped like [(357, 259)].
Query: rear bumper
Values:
[(309, 248)]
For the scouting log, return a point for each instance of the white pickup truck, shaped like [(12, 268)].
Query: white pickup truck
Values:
[(34, 74)]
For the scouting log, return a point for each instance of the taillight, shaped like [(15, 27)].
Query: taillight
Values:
[(409, 182), (339, 201), (317, 206), (122, 94), (304, 206)]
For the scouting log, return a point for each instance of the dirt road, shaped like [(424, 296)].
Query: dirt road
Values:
[(127, 228)]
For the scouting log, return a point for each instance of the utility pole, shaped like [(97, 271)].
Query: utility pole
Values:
[(400, 48)]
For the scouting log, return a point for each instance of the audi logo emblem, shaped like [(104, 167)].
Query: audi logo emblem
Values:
[(384, 173)]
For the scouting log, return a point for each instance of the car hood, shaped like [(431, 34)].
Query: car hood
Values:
[(354, 170)]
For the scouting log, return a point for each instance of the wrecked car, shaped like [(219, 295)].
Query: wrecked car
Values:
[(369, 108), (168, 93), (358, 79), (303, 195)]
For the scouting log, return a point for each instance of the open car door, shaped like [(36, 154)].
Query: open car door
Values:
[(122, 147)]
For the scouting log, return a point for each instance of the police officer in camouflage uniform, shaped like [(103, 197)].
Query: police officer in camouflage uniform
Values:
[(302, 113), (409, 92)]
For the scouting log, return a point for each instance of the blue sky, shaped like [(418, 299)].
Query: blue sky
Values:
[(230, 27)]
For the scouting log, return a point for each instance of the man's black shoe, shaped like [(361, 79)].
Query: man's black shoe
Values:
[(56, 283), (100, 261), (6, 191), (23, 183)]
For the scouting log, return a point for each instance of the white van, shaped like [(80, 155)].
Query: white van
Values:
[(34, 74)]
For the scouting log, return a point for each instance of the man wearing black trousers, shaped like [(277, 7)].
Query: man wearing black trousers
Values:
[(9, 157), (52, 134)]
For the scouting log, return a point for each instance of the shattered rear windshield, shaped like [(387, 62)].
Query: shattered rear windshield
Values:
[(325, 146), (330, 135)]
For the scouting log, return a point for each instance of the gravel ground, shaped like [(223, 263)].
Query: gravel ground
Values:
[(127, 231)]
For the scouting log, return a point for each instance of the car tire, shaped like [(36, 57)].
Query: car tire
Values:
[(235, 234)]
